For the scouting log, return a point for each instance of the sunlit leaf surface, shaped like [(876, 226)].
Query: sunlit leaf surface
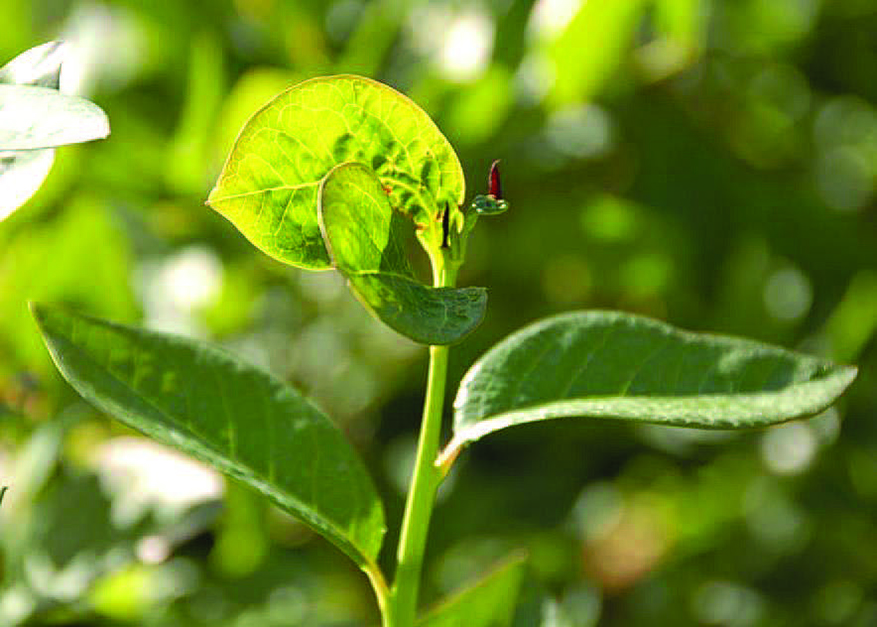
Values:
[(364, 236), (268, 187), (231, 415), (600, 364)]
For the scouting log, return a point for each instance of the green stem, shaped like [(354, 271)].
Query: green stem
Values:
[(379, 585), (425, 480)]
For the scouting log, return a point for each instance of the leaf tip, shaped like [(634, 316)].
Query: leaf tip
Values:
[(37, 311)]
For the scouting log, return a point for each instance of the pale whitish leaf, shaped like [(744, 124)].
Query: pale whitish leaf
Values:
[(32, 118), (40, 66)]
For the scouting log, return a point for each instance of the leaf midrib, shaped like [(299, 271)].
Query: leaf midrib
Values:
[(309, 515)]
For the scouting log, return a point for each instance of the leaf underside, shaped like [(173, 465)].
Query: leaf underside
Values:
[(489, 602), (241, 420), (33, 118), (268, 187), (363, 235), (23, 171), (601, 364)]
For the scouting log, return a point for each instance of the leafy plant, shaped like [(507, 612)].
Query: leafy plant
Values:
[(36, 118), (335, 173)]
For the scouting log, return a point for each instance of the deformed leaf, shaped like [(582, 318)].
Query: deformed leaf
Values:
[(364, 237), (38, 117), (239, 419), (269, 184), (489, 602), (599, 364)]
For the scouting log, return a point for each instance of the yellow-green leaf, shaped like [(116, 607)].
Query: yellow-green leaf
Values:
[(269, 185)]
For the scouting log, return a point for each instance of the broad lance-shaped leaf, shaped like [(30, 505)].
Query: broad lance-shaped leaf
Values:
[(599, 364), (489, 602), (268, 187), (364, 236), (237, 418), (38, 117)]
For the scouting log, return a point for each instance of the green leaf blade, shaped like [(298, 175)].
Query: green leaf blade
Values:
[(364, 237), (612, 365), (489, 602), (269, 185), (239, 419), (427, 315)]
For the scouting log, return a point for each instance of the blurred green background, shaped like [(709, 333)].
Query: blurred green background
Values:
[(712, 163)]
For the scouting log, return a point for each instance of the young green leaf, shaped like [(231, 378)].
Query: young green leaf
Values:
[(231, 415), (268, 187), (489, 602), (600, 364), (38, 117), (364, 237)]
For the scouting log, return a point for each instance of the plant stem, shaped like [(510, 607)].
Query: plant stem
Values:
[(425, 480), (379, 585)]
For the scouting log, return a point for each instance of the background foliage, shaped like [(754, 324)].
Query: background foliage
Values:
[(709, 162)]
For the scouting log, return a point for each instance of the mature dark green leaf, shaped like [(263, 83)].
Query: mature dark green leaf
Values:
[(235, 417), (38, 117), (489, 602), (364, 237), (268, 187), (600, 364)]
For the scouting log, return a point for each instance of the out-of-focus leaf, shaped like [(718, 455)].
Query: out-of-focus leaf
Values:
[(38, 117), (268, 187), (480, 110), (376, 30), (601, 364), (854, 321), (185, 168), (227, 413), (592, 47), (364, 236), (680, 26), (489, 602), (48, 261)]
